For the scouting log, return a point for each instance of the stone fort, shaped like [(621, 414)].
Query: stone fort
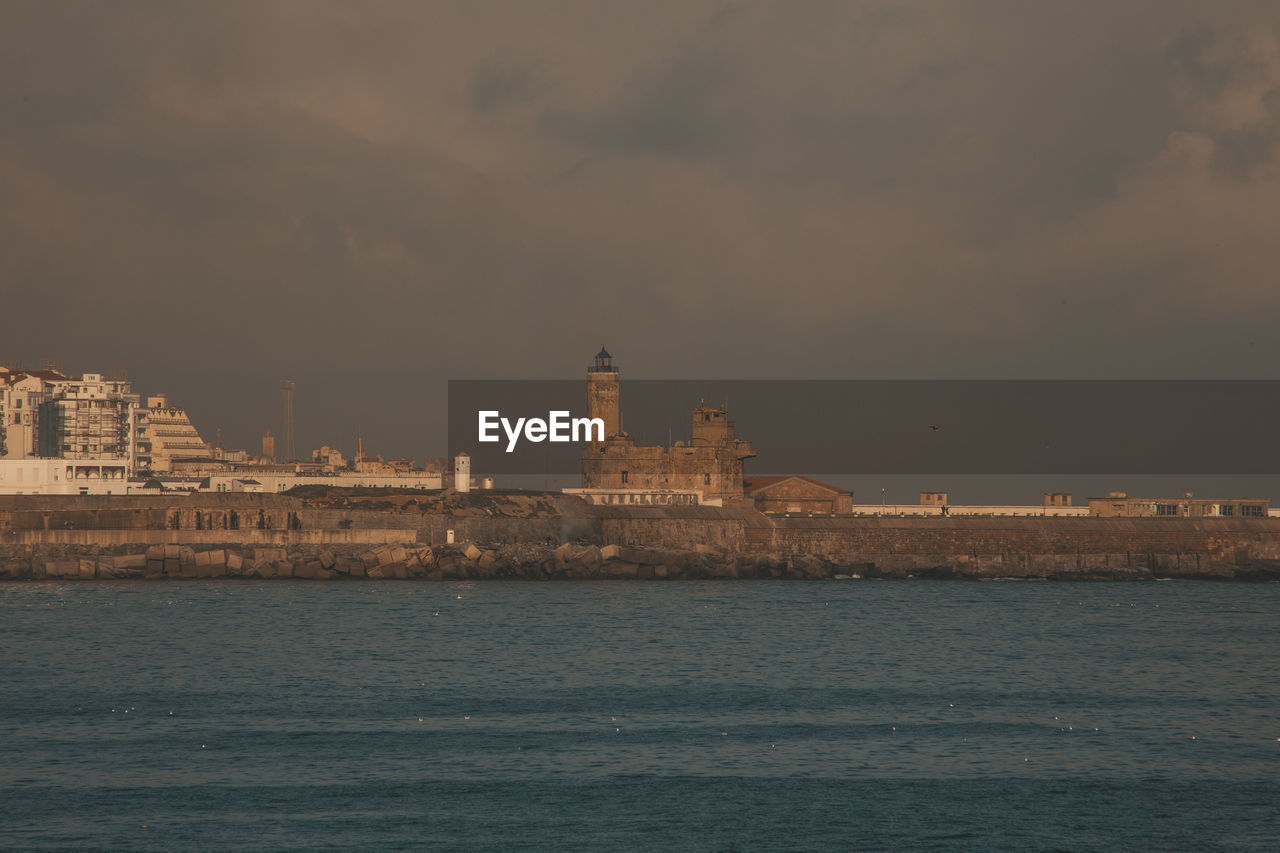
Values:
[(710, 463)]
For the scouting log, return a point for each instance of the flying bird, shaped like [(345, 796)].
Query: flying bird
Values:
[(934, 427)]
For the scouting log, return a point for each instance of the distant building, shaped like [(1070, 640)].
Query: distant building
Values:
[(47, 414), (1120, 504), (710, 464), (166, 435), (33, 476), (1057, 499), (797, 496), (329, 458), (462, 472), (933, 498)]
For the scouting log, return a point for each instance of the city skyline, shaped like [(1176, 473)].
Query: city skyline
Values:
[(220, 197)]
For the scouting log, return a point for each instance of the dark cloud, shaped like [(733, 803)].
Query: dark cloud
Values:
[(372, 199)]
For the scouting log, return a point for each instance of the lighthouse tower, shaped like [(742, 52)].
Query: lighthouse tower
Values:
[(602, 393)]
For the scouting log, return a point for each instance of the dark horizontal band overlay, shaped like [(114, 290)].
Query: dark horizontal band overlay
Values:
[(909, 426)]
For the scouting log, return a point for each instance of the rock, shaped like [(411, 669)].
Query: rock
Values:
[(14, 569), (62, 569), (620, 570), (309, 570), (589, 556)]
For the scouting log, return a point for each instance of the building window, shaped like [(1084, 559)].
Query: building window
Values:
[(706, 479), (624, 478), (1166, 509), (1226, 509)]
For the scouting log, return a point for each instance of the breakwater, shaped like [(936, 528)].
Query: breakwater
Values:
[(537, 536)]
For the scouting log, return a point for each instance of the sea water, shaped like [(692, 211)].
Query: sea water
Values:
[(731, 715)]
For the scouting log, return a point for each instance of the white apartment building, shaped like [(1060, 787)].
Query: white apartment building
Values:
[(47, 414), (31, 476)]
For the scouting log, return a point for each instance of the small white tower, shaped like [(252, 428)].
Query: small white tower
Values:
[(462, 472)]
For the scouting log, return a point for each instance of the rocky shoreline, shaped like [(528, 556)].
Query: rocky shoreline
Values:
[(569, 561)]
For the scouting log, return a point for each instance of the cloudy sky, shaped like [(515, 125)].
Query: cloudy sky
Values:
[(372, 198)]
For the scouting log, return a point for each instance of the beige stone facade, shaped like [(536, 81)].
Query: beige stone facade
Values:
[(710, 463), (797, 496)]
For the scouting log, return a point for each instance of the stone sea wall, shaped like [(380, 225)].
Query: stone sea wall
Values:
[(540, 537)]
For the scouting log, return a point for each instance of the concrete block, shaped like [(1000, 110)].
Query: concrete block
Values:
[(708, 550), (172, 566), (384, 555), (395, 570), (471, 552), (235, 562), (202, 559), (348, 566), (610, 552), (399, 554), (370, 559), (645, 573), (155, 568), (660, 572), (88, 570), (155, 552), (172, 552), (62, 568), (131, 561), (376, 573), (327, 560)]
